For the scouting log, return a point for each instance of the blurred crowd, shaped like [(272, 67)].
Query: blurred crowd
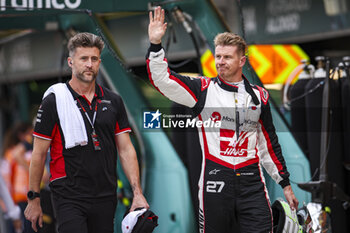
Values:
[(14, 178)]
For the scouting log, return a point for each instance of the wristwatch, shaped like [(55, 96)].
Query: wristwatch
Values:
[(31, 195)]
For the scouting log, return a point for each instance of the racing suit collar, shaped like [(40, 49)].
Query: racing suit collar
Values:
[(225, 85), (249, 89), (233, 88)]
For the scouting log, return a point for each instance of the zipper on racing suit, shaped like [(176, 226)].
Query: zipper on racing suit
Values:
[(236, 117), (237, 125)]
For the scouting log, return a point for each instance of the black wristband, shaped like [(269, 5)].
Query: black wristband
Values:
[(31, 195)]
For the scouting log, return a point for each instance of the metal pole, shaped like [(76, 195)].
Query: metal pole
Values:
[(324, 142)]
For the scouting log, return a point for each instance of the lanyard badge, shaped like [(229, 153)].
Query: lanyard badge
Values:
[(95, 140), (94, 137)]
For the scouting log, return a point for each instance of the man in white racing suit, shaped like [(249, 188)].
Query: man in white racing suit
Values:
[(231, 185)]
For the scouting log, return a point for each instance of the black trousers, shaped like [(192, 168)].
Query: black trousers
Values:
[(82, 216), (234, 201)]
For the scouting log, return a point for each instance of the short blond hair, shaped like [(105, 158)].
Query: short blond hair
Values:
[(229, 38)]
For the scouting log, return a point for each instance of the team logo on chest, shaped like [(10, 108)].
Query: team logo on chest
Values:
[(215, 116), (204, 83), (229, 146), (263, 94)]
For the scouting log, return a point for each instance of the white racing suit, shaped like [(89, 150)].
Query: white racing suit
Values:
[(231, 185)]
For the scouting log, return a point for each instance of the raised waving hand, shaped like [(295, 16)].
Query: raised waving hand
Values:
[(157, 26)]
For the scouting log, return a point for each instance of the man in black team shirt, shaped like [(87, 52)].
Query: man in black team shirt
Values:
[(83, 162)]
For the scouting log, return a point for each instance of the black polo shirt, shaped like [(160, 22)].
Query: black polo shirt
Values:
[(81, 171)]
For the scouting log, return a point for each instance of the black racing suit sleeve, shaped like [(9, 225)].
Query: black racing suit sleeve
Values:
[(270, 149), (184, 90), (46, 118)]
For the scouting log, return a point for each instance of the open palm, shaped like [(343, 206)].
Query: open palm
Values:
[(156, 27)]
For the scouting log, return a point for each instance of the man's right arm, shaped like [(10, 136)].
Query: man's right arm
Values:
[(33, 211), (180, 89)]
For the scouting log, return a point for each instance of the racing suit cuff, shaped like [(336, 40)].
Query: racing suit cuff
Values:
[(284, 183), (155, 47)]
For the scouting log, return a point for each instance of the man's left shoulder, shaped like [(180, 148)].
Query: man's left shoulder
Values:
[(111, 98), (110, 95), (264, 94)]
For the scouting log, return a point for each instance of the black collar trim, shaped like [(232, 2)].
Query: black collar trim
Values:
[(226, 86), (98, 91), (250, 90), (233, 88)]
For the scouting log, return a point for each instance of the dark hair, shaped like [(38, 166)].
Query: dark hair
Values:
[(228, 38), (12, 135), (86, 40)]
